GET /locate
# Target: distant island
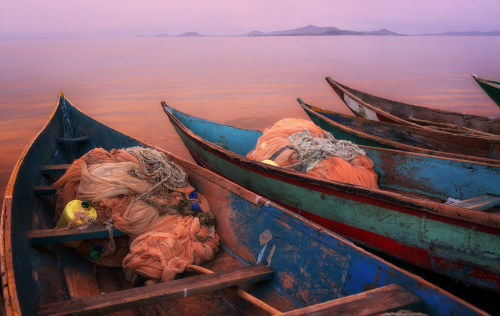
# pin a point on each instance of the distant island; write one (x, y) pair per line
(313, 30)
(189, 34)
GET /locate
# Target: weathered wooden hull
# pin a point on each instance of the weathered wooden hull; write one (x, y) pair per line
(460, 243)
(384, 110)
(492, 88)
(308, 264)
(394, 136)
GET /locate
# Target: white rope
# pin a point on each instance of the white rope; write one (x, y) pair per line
(109, 227)
(157, 168)
(312, 150)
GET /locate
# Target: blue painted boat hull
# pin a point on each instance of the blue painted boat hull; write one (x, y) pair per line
(406, 219)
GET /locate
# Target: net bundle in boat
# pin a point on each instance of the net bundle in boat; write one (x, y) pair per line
(148, 197)
(303, 146)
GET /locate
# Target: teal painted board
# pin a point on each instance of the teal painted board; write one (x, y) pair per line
(402, 219)
(311, 264)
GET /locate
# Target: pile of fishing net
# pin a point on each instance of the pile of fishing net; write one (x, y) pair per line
(301, 145)
(143, 194)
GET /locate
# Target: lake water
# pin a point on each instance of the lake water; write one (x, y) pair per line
(249, 82)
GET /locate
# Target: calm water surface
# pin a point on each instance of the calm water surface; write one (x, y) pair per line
(249, 82)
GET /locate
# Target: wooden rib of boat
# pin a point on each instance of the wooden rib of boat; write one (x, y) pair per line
(406, 218)
(492, 88)
(384, 110)
(290, 265)
(362, 131)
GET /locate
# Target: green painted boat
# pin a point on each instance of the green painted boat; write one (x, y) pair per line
(406, 219)
(362, 131)
(384, 110)
(492, 88)
(270, 260)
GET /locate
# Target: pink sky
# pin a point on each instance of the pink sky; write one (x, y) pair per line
(76, 18)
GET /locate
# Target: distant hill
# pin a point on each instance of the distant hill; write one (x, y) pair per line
(468, 33)
(383, 32)
(256, 33)
(189, 34)
(312, 30)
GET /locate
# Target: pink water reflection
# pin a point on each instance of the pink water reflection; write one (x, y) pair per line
(245, 82)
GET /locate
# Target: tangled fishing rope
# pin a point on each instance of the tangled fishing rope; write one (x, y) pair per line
(157, 168)
(312, 150)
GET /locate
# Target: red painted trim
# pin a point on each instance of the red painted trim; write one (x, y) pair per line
(385, 119)
(415, 255)
(346, 195)
(441, 264)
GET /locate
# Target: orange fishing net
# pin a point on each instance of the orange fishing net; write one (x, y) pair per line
(304, 146)
(166, 230)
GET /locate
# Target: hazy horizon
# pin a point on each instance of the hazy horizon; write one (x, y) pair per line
(54, 19)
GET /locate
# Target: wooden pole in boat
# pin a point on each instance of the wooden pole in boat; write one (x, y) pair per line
(241, 293)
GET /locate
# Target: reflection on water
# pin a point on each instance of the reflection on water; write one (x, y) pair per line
(245, 82)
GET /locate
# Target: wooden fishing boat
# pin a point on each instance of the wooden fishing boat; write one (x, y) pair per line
(406, 218)
(378, 109)
(288, 264)
(492, 88)
(362, 131)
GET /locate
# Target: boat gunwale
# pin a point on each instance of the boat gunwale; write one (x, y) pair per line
(337, 85)
(317, 112)
(7, 260)
(467, 217)
(490, 87)
(485, 81)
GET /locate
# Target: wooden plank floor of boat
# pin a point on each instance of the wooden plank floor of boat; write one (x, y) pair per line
(125, 299)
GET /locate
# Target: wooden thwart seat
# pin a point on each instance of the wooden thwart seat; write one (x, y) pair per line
(46, 169)
(49, 169)
(46, 236)
(241, 293)
(65, 140)
(379, 300)
(479, 203)
(115, 301)
(44, 190)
